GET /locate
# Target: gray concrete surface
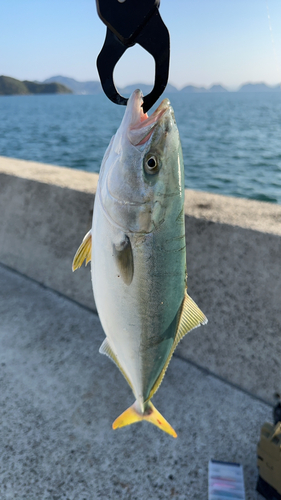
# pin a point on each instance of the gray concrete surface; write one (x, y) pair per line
(45, 212)
(235, 277)
(233, 263)
(247, 214)
(59, 397)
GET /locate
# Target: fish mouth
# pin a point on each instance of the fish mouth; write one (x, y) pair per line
(141, 125)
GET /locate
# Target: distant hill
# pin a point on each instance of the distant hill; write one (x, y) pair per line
(258, 87)
(90, 87)
(61, 85)
(11, 86)
(213, 88)
(217, 88)
(94, 87)
(192, 89)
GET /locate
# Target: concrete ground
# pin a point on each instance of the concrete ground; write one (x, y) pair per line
(59, 397)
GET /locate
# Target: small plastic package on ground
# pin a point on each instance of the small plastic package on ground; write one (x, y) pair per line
(226, 481)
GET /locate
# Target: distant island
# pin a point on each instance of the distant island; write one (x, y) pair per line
(64, 85)
(258, 87)
(91, 87)
(213, 88)
(11, 86)
(94, 87)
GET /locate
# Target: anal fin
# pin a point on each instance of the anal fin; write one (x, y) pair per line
(106, 349)
(83, 252)
(190, 317)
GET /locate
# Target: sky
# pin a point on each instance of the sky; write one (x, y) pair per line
(212, 41)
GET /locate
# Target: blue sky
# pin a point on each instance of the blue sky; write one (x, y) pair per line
(212, 41)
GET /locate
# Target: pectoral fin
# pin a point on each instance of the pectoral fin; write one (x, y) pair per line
(132, 415)
(190, 317)
(83, 252)
(123, 254)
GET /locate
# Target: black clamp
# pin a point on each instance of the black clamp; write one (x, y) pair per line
(129, 22)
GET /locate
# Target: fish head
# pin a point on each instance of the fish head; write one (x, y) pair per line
(142, 178)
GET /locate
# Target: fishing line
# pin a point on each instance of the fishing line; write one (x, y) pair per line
(273, 43)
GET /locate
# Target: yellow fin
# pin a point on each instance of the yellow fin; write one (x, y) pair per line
(190, 317)
(132, 415)
(106, 349)
(83, 252)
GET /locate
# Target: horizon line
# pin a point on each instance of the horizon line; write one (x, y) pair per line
(231, 88)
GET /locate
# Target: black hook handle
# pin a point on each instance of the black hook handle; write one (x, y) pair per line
(107, 59)
(141, 23)
(155, 38)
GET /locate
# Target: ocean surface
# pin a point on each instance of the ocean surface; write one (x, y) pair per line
(231, 141)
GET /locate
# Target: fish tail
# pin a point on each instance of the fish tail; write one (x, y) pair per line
(132, 415)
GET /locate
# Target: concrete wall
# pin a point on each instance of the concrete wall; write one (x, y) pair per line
(44, 213)
(233, 262)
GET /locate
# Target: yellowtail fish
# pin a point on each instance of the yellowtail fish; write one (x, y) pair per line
(138, 257)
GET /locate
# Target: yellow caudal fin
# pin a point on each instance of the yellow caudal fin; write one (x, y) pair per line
(83, 252)
(132, 415)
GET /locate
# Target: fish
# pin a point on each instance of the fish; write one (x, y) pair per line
(137, 251)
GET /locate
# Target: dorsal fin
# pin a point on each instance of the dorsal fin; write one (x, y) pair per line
(106, 349)
(83, 252)
(190, 317)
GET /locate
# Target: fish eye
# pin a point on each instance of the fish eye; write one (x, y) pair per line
(151, 165)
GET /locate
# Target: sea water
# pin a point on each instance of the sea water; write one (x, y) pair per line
(231, 141)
